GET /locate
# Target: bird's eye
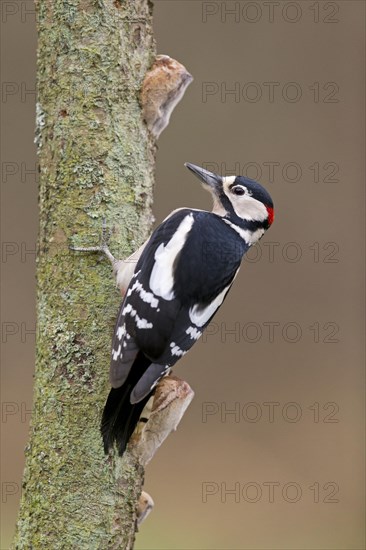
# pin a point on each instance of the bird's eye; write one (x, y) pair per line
(238, 190)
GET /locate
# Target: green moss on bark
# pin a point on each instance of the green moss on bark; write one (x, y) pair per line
(97, 161)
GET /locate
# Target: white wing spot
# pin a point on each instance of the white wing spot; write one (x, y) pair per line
(140, 322)
(194, 333)
(176, 350)
(146, 296)
(121, 331)
(115, 353)
(143, 323)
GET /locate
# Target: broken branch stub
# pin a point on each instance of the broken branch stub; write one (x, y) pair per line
(171, 399)
(163, 88)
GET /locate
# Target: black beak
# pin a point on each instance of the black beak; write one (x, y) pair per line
(209, 178)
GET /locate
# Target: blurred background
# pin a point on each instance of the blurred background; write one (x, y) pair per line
(270, 454)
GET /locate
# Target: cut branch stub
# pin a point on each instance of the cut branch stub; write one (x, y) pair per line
(163, 88)
(171, 399)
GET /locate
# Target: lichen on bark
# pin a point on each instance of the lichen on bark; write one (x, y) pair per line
(96, 161)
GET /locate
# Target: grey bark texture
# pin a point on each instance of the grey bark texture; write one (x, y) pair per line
(97, 161)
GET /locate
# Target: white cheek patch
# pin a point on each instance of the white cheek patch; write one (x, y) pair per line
(200, 316)
(162, 277)
(245, 206)
(248, 208)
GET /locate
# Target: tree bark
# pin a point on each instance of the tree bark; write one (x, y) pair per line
(96, 161)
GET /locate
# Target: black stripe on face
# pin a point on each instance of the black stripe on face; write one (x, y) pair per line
(251, 225)
(226, 203)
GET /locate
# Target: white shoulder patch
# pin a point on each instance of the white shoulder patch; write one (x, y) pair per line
(161, 278)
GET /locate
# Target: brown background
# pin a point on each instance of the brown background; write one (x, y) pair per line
(324, 286)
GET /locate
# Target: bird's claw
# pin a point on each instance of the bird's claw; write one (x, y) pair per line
(103, 247)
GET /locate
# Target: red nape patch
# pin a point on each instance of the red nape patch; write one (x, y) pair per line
(270, 214)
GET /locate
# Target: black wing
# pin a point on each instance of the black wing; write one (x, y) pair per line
(132, 325)
(180, 281)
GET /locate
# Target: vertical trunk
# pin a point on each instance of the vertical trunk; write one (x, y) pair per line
(96, 161)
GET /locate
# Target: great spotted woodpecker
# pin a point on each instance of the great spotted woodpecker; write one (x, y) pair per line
(181, 278)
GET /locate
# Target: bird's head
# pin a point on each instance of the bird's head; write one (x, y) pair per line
(237, 198)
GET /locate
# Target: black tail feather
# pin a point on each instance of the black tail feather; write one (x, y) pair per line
(120, 417)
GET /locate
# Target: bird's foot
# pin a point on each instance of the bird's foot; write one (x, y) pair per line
(103, 247)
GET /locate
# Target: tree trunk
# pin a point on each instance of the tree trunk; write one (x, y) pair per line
(96, 161)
